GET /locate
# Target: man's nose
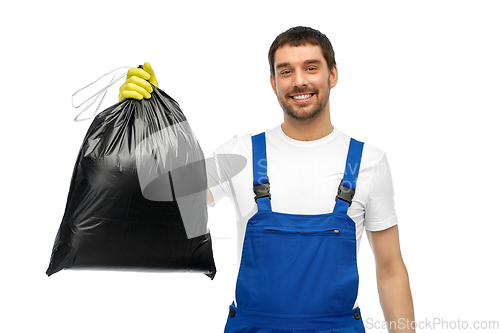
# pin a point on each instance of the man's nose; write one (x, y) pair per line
(300, 79)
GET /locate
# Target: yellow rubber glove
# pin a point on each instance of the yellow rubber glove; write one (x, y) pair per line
(138, 83)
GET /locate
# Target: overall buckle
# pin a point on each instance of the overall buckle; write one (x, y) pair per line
(345, 194)
(262, 190)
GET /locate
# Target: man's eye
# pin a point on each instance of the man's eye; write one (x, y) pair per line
(285, 72)
(311, 68)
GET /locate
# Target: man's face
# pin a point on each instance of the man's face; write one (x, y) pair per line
(302, 81)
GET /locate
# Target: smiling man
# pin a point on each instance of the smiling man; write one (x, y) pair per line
(315, 190)
(301, 78)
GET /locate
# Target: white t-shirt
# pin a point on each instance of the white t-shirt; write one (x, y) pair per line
(304, 177)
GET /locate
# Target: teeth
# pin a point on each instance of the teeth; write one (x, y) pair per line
(302, 96)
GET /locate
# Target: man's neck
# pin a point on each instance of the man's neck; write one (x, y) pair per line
(307, 131)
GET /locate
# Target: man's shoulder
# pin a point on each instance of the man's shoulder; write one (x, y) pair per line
(239, 143)
(372, 154)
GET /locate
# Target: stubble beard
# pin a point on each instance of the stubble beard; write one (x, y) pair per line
(291, 109)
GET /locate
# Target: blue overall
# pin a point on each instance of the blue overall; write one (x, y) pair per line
(298, 273)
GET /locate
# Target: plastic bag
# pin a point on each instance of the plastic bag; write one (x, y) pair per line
(137, 199)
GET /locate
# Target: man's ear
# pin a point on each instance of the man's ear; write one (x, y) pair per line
(334, 77)
(273, 84)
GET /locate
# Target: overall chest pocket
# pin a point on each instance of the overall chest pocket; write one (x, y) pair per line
(302, 269)
(289, 249)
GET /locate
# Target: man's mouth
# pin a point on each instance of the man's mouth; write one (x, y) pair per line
(302, 97)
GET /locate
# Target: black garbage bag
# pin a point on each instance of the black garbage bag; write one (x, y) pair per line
(137, 199)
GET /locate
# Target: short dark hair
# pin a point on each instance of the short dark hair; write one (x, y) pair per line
(298, 36)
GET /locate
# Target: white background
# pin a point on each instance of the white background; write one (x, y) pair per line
(419, 79)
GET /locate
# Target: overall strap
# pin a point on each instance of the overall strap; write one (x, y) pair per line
(347, 185)
(260, 179)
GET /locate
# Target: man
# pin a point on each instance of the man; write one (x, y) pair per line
(315, 189)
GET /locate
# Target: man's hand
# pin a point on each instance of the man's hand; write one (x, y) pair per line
(138, 83)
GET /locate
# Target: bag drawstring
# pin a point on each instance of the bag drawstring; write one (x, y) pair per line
(100, 94)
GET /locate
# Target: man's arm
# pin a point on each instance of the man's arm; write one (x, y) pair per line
(392, 279)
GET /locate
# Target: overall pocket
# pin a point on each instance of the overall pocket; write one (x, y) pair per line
(299, 270)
